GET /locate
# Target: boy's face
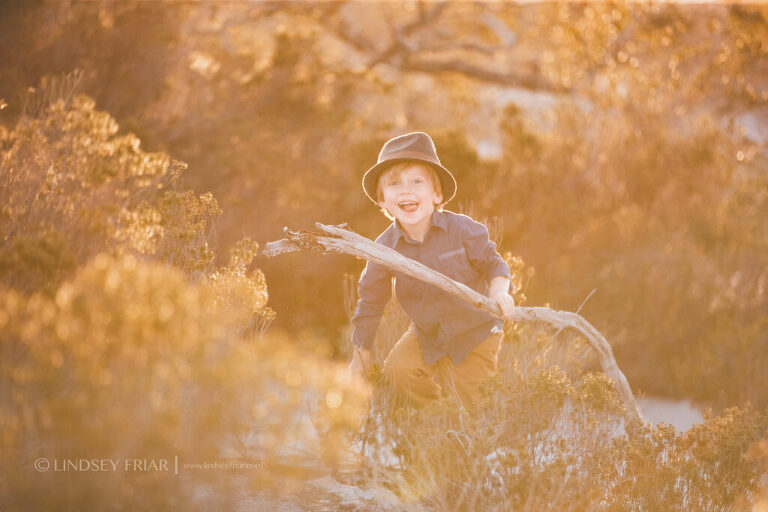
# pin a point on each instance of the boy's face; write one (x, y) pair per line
(410, 195)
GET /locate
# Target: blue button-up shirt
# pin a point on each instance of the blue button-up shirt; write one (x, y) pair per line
(460, 248)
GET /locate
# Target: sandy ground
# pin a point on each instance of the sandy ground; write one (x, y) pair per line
(679, 413)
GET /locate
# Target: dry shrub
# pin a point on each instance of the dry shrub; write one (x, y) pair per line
(75, 187)
(666, 217)
(242, 294)
(131, 361)
(756, 499)
(119, 339)
(68, 180)
(552, 435)
(125, 362)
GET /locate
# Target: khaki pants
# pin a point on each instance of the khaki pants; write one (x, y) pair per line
(415, 380)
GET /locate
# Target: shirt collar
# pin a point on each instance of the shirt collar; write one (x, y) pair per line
(439, 220)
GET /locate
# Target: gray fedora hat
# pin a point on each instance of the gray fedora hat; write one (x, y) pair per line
(415, 146)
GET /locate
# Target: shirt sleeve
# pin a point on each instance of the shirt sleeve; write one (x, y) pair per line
(374, 291)
(482, 253)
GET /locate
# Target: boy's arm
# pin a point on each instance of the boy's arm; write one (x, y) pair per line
(482, 254)
(361, 361)
(374, 291)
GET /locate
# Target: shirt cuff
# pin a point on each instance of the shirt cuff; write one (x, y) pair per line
(500, 270)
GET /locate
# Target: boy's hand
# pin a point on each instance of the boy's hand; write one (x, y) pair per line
(506, 304)
(499, 291)
(360, 363)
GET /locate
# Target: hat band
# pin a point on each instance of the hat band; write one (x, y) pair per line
(411, 154)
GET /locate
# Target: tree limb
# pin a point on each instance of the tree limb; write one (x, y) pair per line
(339, 239)
(399, 34)
(531, 82)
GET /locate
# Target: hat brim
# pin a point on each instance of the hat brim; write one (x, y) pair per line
(371, 178)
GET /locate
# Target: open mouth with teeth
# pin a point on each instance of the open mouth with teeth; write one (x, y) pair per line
(408, 206)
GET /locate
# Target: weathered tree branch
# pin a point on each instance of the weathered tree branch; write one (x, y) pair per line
(399, 34)
(339, 239)
(527, 81)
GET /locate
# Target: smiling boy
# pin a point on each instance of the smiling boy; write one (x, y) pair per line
(447, 339)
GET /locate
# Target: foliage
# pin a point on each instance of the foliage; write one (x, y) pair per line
(759, 498)
(121, 340)
(242, 294)
(131, 361)
(99, 372)
(69, 178)
(542, 440)
(620, 143)
(618, 219)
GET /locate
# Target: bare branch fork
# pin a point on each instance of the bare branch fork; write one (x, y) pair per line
(340, 239)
